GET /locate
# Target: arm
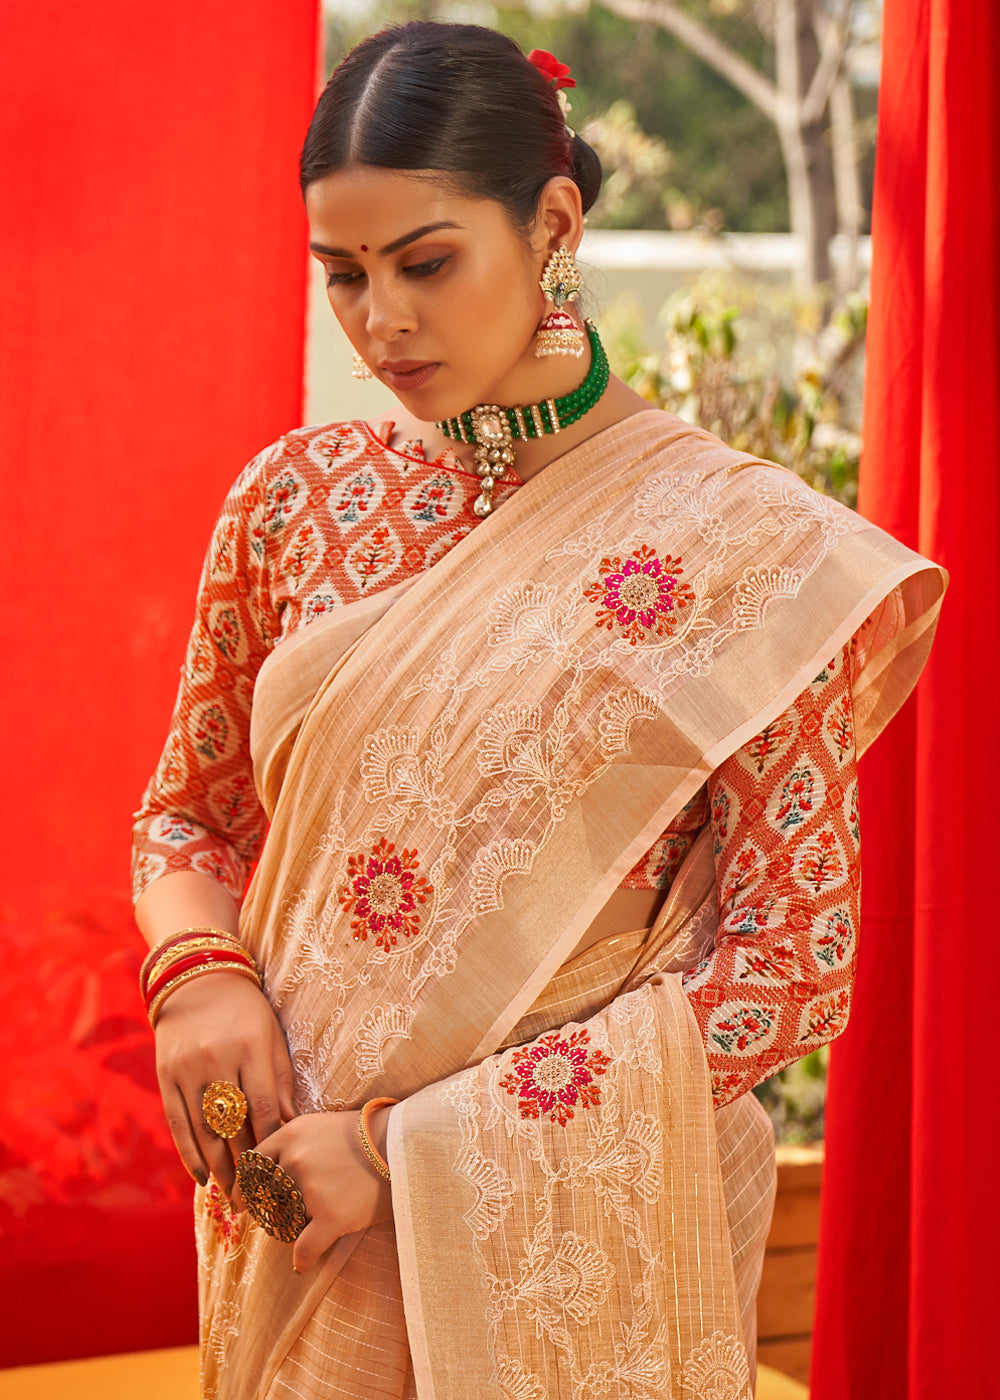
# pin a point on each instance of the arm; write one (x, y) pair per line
(198, 829)
(784, 815)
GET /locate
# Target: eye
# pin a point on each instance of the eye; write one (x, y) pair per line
(427, 269)
(342, 279)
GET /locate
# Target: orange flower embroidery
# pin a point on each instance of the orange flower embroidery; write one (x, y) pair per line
(641, 596)
(383, 891)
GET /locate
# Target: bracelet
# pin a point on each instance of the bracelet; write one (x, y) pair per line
(180, 949)
(371, 1152)
(178, 936)
(155, 1005)
(203, 960)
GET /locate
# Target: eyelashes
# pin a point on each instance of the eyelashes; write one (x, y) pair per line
(419, 270)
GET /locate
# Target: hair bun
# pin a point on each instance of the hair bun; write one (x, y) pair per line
(585, 168)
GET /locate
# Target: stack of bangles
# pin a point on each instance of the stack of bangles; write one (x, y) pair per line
(190, 953)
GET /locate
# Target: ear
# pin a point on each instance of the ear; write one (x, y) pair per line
(559, 217)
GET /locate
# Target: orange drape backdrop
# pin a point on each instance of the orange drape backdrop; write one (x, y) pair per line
(151, 326)
(908, 1289)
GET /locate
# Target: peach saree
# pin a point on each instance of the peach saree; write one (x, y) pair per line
(459, 772)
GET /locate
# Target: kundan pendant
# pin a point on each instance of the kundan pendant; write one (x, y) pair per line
(494, 451)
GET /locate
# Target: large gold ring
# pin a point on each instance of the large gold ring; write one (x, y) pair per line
(224, 1108)
(271, 1196)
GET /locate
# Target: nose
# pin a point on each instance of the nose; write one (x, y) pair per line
(390, 310)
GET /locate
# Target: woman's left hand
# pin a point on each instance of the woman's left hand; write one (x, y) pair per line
(322, 1153)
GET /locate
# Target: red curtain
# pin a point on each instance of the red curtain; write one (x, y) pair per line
(151, 328)
(908, 1291)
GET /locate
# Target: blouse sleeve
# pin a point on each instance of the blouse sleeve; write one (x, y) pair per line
(784, 814)
(200, 811)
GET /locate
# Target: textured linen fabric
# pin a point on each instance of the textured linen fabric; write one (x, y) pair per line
(329, 516)
(562, 1219)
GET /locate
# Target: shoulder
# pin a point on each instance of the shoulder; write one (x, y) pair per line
(320, 449)
(301, 464)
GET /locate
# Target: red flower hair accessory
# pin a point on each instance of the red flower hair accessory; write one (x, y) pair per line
(556, 74)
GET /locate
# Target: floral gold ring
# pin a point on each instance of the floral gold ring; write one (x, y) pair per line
(271, 1196)
(224, 1108)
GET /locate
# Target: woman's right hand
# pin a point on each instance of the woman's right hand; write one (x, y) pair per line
(220, 1026)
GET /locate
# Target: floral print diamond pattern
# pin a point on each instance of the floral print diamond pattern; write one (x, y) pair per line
(787, 888)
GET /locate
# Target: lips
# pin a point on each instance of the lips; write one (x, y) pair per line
(407, 374)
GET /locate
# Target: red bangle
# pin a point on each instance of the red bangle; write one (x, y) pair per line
(183, 935)
(222, 957)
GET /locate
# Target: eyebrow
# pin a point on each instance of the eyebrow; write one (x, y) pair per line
(392, 247)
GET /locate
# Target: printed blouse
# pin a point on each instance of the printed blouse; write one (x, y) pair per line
(329, 515)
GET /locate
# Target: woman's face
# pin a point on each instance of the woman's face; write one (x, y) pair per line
(436, 291)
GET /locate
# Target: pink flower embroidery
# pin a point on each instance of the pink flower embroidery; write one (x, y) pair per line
(641, 596)
(383, 891)
(224, 1219)
(554, 1075)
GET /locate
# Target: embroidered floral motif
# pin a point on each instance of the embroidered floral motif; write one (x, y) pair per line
(226, 632)
(736, 1029)
(355, 498)
(832, 943)
(770, 741)
(555, 1075)
(717, 1370)
(211, 732)
(281, 504)
(840, 726)
(224, 1220)
(378, 553)
(721, 807)
(303, 552)
(796, 799)
(826, 1017)
(640, 596)
(373, 1035)
(383, 891)
(433, 501)
(575, 1281)
(822, 863)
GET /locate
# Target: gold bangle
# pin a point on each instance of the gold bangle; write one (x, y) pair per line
(371, 1151)
(157, 948)
(190, 975)
(182, 950)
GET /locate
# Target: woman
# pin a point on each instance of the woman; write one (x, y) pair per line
(556, 703)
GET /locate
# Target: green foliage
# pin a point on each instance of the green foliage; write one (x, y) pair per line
(794, 402)
(725, 161)
(795, 1098)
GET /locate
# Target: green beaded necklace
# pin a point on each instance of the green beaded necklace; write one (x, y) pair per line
(492, 428)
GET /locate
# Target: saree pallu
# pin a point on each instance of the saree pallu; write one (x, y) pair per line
(459, 773)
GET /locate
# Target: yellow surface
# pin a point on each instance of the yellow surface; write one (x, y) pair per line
(173, 1375)
(141, 1375)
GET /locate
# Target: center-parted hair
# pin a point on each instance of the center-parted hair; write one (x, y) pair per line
(456, 99)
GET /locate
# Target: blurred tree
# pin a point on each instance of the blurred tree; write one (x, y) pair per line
(808, 100)
(757, 133)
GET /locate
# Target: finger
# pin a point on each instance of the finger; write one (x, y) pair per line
(315, 1239)
(284, 1079)
(179, 1123)
(214, 1149)
(264, 1113)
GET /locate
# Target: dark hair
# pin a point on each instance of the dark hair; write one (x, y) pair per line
(454, 98)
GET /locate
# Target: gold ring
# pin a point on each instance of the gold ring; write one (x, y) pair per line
(271, 1196)
(224, 1108)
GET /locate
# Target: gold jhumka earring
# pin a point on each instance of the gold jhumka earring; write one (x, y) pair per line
(559, 334)
(360, 370)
